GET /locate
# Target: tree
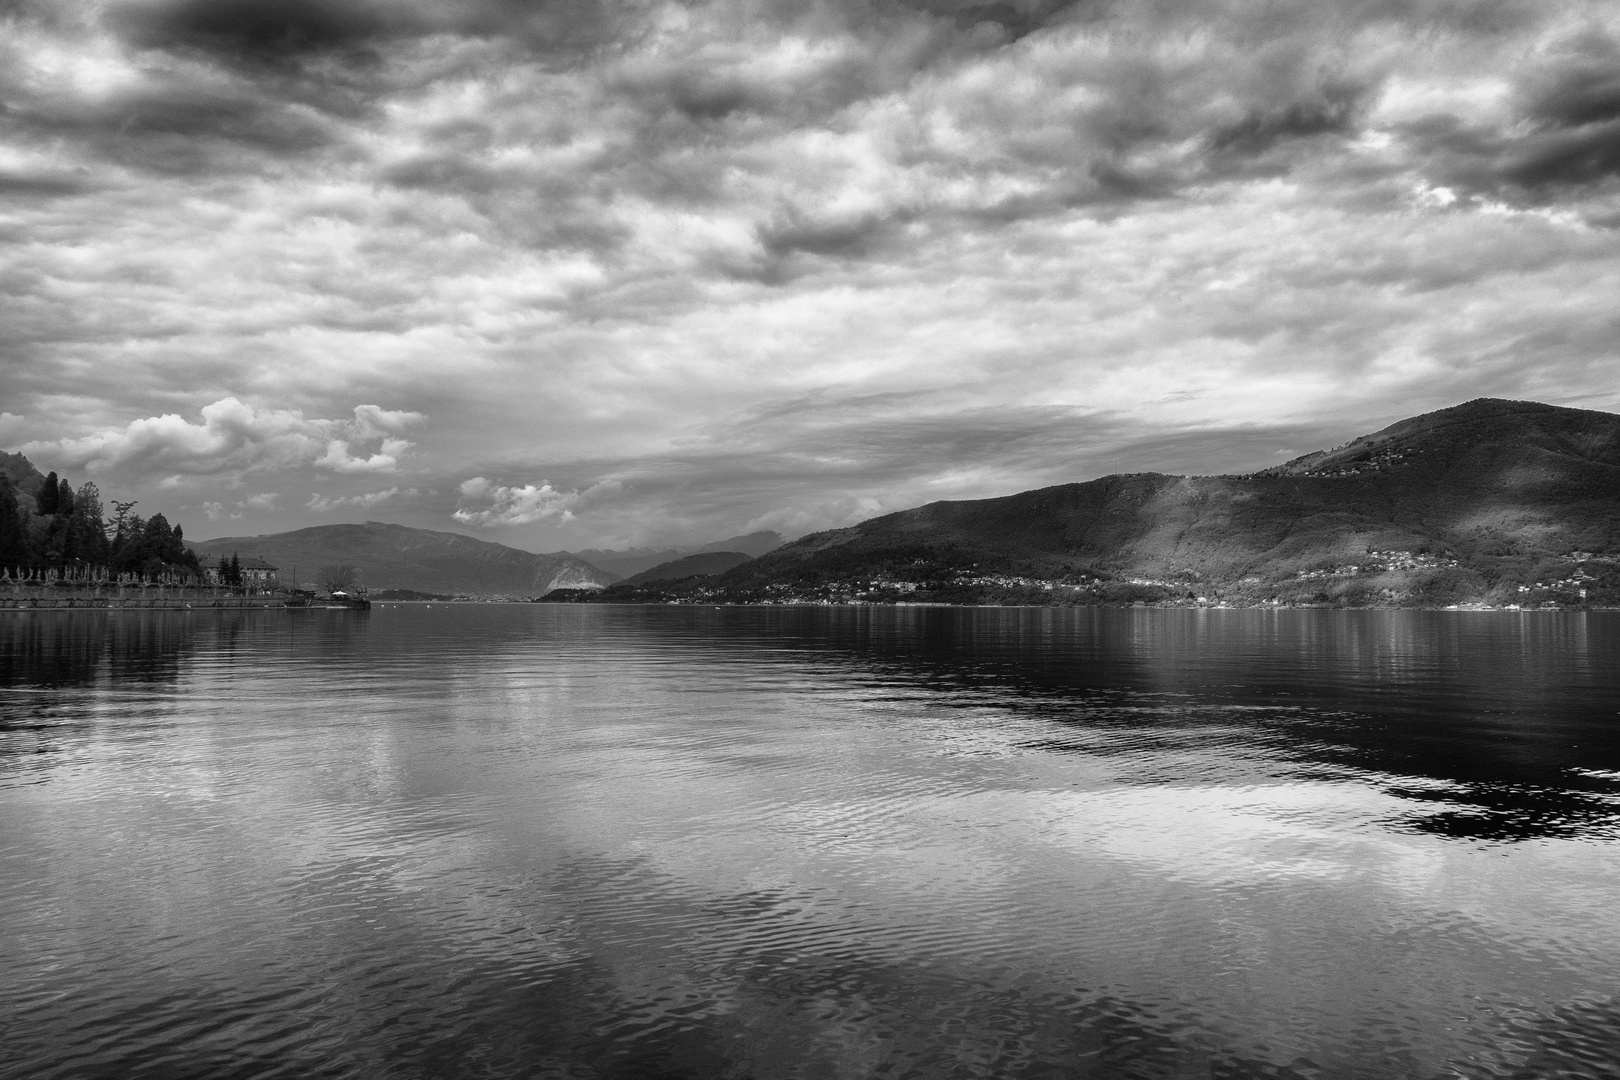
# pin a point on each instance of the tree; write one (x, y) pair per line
(337, 577)
(13, 534)
(129, 543)
(88, 540)
(87, 503)
(149, 547)
(45, 499)
(159, 542)
(230, 571)
(64, 498)
(119, 527)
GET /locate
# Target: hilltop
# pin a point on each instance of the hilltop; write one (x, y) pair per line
(21, 472)
(422, 560)
(699, 565)
(632, 561)
(1488, 502)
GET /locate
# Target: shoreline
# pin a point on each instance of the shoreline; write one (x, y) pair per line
(280, 603)
(114, 603)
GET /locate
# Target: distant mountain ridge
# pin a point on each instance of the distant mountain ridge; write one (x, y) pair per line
(1491, 501)
(702, 564)
(398, 557)
(632, 561)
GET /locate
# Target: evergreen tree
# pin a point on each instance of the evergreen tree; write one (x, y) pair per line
(128, 553)
(61, 545)
(87, 503)
(89, 538)
(119, 526)
(158, 539)
(45, 500)
(13, 533)
(51, 541)
(159, 549)
(187, 557)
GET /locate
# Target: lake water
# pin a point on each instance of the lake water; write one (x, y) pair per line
(656, 842)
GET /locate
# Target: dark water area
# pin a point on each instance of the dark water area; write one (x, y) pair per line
(553, 841)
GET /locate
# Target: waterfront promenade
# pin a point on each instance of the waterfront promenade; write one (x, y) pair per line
(109, 596)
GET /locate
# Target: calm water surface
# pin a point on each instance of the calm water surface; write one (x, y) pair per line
(534, 840)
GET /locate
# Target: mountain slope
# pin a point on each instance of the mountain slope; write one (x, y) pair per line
(701, 564)
(397, 557)
(632, 561)
(753, 544)
(1470, 502)
(21, 472)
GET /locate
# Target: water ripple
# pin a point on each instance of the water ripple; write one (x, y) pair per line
(604, 842)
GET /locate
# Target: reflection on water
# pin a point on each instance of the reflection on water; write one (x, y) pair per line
(549, 841)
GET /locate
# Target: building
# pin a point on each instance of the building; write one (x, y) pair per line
(256, 573)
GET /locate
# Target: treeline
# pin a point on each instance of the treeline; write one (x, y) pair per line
(57, 527)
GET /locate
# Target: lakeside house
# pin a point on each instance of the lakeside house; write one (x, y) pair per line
(255, 572)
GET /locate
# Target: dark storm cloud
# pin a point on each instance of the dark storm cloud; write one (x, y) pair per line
(1587, 93)
(1110, 149)
(1333, 111)
(186, 128)
(1538, 166)
(847, 239)
(1560, 135)
(263, 30)
(277, 32)
(1575, 102)
(1585, 156)
(1091, 157)
(47, 184)
(692, 89)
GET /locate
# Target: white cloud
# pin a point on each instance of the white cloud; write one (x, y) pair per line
(339, 459)
(323, 504)
(489, 504)
(220, 511)
(235, 438)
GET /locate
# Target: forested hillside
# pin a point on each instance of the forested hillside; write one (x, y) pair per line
(47, 524)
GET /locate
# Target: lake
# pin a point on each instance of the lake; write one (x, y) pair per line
(672, 842)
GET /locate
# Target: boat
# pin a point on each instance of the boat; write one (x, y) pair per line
(341, 600)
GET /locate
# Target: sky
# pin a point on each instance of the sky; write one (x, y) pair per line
(582, 274)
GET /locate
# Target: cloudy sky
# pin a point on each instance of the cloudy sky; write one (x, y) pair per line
(567, 273)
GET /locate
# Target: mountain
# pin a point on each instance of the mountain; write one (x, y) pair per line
(397, 557)
(632, 561)
(701, 564)
(1490, 501)
(24, 477)
(753, 545)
